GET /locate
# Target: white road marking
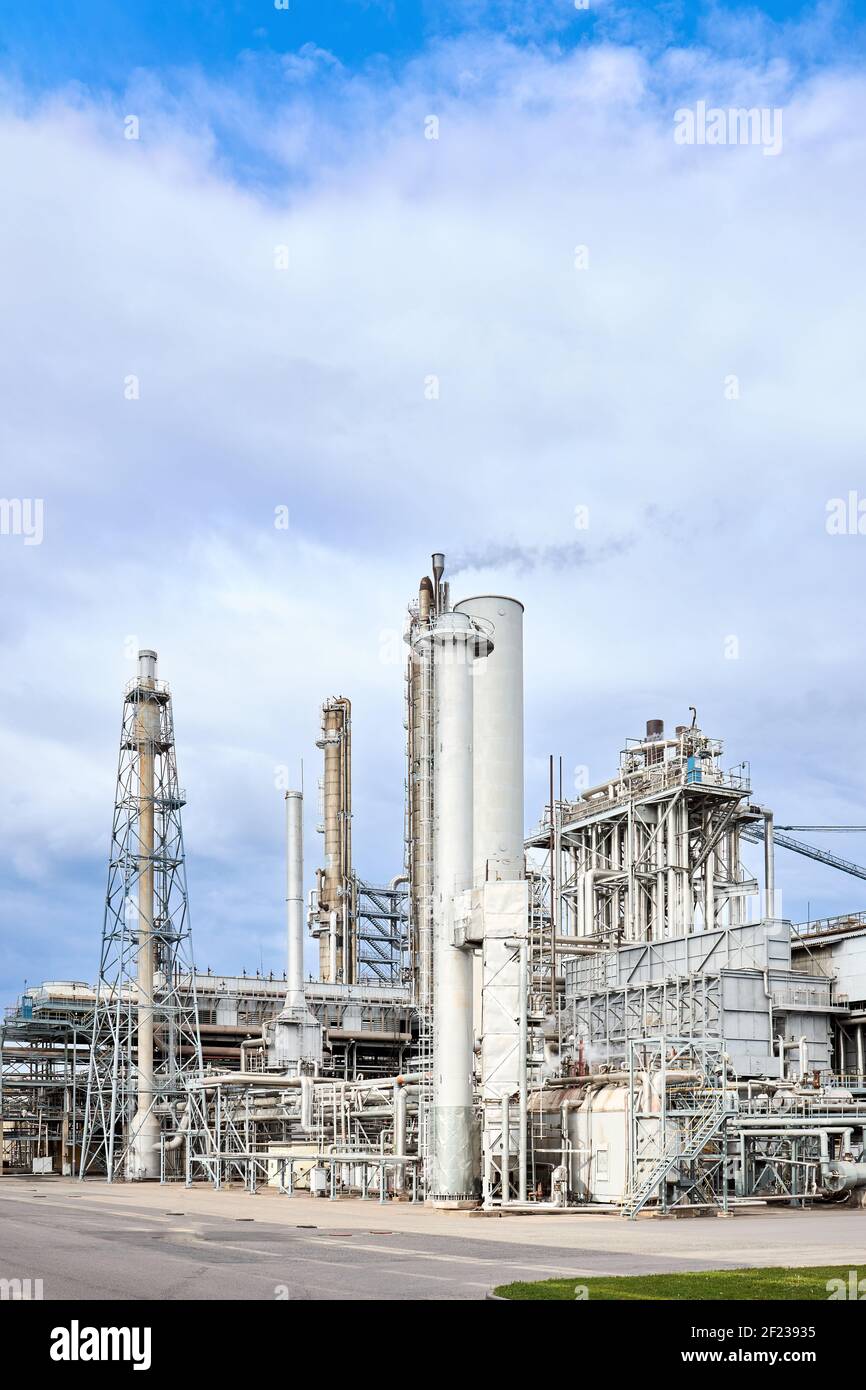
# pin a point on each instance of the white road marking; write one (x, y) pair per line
(386, 1250)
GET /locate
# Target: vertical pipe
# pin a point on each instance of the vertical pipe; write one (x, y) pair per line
(505, 1146)
(399, 1136)
(859, 1040)
(672, 914)
(295, 899)
(630, 905)
(421, 795)
(769, 868)
(523, 1042)
(554, 915)
(686, 894)
(332, 948)
(455, 643)
(709, 891)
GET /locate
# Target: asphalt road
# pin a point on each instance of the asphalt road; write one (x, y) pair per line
(82, 1249)
(90, 1241)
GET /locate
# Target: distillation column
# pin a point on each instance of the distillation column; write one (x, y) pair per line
(336, 949)
(420, 788)
(499, 881)
(455, 643)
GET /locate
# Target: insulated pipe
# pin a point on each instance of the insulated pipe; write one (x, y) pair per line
(332, 947)
(400, 1113)
(843, 1177)
(497, 739)
(673, 916)
(420, 777)
(523, 1043)
(456, 643)
(181, 1131)
(858, 1040)
(295, 898)
(505, 1147)
(247, 1045)
(709, 891)
(143, 1159)
(769, 868)
(306, 1102)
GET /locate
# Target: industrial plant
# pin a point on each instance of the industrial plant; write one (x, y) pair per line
(590, 1007)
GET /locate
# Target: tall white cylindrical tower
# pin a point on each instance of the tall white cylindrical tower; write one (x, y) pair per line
(456, 643)
(143, 1158)
(295, 898)
(498, 741)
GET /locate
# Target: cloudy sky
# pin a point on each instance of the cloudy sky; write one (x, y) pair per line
(429, 276)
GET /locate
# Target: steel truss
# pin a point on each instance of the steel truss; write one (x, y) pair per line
(382, 933)
(146, 908)
(686, 1006)
(653, 852)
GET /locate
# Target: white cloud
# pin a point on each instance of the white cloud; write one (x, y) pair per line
(407, 259)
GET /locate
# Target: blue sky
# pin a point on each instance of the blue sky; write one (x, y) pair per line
(306, 386)
(98, 41)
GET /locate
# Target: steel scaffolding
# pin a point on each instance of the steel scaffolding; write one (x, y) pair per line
(145, 1035)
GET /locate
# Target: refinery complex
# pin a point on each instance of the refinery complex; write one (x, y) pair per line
(587, 1005)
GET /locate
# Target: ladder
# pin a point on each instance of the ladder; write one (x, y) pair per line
(711, 1120)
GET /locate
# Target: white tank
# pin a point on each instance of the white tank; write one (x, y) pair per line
(598, 1132)
(498, 740)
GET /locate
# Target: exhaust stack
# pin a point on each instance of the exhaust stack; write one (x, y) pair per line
(295, 899)
(143, 1161)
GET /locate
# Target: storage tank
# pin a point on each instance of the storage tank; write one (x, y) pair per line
(597, 1131)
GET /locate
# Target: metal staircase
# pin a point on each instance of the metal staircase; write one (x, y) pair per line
(708, 1122)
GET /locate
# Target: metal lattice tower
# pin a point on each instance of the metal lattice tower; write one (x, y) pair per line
(145, 1040)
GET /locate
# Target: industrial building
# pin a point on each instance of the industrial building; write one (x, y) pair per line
(604, 1013)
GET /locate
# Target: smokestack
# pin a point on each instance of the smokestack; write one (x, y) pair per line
(295, 898)
(425, 599)
(438, 571)
(143, 1157)
(147, 665)
(655, 728)
(455, 643)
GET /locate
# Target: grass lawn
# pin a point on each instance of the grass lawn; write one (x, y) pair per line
(711, 1284)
